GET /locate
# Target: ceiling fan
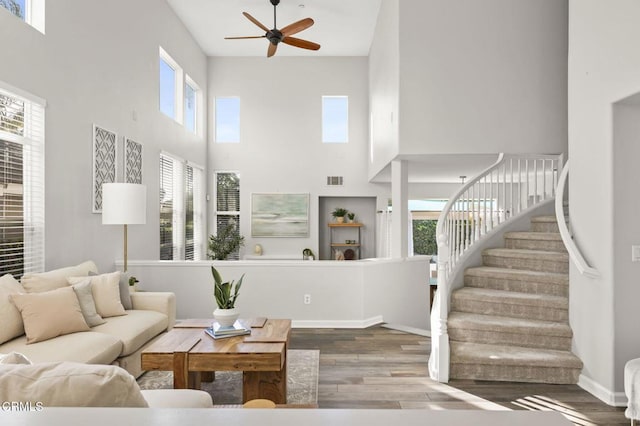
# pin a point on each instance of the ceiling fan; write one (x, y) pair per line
(275, 35)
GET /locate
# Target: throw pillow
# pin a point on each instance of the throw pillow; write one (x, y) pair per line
(50, 314)
(125, 295)
(10, 319)
(87, 305)
(106, 293)
(45, 281)
(70, 384)
(14, 358)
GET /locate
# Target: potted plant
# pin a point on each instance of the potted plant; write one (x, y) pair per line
(339, 213)
(307, 254)
(351, 216)
(226, 294)
(227, 241)
(132, 283)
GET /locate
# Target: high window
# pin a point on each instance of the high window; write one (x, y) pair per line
(30, 11)
(21, 182)
(227, 120)
(191, 110)
(181, 209)
(227, 196)
(335, 119)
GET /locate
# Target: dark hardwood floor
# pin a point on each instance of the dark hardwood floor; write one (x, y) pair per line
(383, 368)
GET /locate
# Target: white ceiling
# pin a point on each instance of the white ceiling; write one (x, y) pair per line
(342, 27)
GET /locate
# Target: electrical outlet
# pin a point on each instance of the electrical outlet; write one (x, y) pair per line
(307, 299)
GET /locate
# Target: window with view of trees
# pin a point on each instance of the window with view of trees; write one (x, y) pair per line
(21, 183)
(30, 11)
(227, 198)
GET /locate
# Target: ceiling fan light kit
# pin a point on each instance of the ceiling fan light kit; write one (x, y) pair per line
(275, 36)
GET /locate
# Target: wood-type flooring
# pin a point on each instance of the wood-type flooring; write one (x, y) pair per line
(383, 368)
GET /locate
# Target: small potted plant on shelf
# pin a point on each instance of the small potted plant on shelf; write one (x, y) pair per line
(351, 216)
(339, 213)
(226, 294)
(132, 283)
(307, 254)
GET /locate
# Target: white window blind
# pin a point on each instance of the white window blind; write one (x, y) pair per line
(181, 209)
(21, 182)
(227, 198)
(194, 229)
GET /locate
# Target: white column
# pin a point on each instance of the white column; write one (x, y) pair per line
(400, 202)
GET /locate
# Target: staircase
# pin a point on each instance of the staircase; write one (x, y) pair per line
(510, 320)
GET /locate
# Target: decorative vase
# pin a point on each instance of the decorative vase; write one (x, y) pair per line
(340, 219)
(226, 317)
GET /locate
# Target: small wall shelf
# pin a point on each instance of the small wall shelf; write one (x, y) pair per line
(335, 229)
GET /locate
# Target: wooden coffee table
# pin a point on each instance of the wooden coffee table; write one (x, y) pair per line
(262, 356)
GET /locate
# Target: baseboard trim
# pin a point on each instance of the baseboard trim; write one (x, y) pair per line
(407, 329)
(368, 322)
(615, 399)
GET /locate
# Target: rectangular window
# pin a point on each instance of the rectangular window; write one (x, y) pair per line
(191, 92)
(171, 87)
(21, 182)
(335, 119)
(227, 120)
(181, 209)
(227, 211)
(30, 11)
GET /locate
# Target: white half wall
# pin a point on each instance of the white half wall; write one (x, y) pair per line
(343, 294)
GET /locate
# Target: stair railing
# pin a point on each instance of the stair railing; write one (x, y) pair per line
(567, 238)
(503, 191)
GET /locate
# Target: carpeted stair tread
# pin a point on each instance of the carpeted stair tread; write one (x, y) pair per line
(469, 321)
(477, 353)
(545, 219)
(518, 274)
(527, 254)
(485, 295)
(547, 236)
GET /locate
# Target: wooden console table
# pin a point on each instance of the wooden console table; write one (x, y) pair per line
(188, 351)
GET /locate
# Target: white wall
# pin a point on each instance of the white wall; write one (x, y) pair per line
(384, 87)
(343, 294)
(604, 67)
(483, 76)
(98, 63)
(281, 147)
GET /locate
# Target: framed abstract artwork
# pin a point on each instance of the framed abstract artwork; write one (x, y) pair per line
(132, 161)
(279, 215)
(105, 149)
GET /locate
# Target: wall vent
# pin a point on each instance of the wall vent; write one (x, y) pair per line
(334, 180)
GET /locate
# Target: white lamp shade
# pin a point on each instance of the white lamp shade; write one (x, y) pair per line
(124, 204)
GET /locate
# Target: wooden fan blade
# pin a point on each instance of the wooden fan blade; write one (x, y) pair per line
(255, 21)
(296, 27)
(242, 38)
(304, 44)
(272, 50)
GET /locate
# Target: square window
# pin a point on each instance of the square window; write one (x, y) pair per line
(227, 120)
(335, 119)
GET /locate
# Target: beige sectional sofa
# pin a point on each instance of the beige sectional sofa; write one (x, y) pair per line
(118, 341)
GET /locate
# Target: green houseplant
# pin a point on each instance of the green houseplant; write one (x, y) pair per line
(339, 213)
(227, 241)
(226, 294)
(351, 216)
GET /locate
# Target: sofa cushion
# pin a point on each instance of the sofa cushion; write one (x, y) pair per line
(106, 293)
(10, 317)
(134, 329)
(177, 398)
(45, 281)
(87, 305)
(68, 384)
(50, 313)
(87, 347)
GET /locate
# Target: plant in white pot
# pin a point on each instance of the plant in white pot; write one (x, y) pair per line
(226, 294)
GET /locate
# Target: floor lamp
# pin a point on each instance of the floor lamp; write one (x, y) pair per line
(124, 204)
